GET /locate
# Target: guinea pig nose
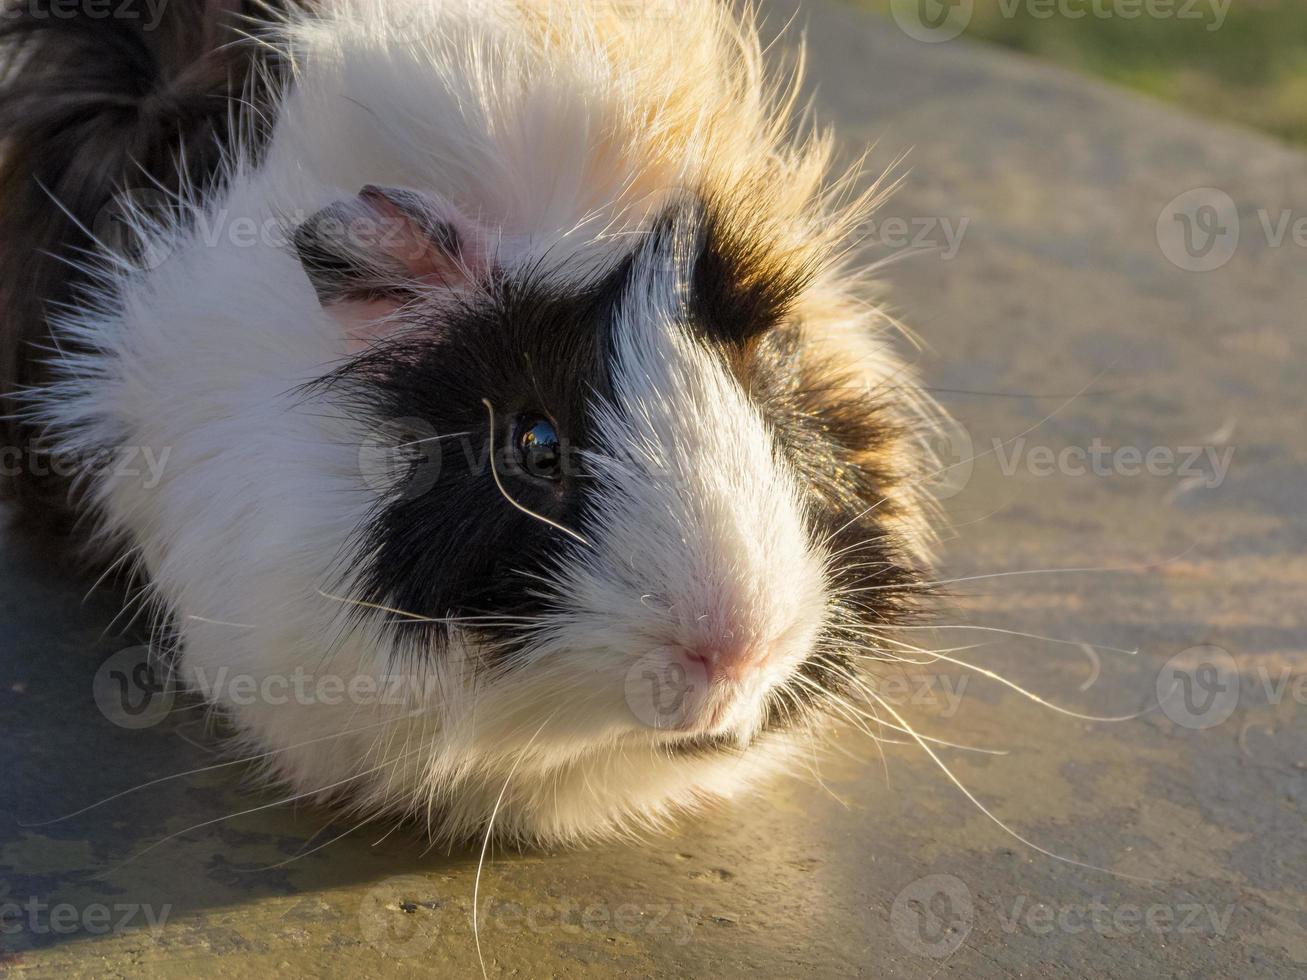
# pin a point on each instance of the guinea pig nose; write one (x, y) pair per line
(725, 661)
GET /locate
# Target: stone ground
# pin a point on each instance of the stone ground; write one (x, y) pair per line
(1061, 318)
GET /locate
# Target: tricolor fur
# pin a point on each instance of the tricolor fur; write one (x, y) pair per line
(466, 212)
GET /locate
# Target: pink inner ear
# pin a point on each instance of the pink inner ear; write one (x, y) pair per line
(434, 243)
(409, 241)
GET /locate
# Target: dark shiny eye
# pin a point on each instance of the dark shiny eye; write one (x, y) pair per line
(539, 450)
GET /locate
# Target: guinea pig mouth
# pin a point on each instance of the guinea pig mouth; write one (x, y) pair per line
(712, 716)
(729, 719)
(686, 693)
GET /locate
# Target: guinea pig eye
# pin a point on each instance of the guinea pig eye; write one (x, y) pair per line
(539, 451)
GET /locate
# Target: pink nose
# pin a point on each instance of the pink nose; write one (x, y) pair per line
(725, 661)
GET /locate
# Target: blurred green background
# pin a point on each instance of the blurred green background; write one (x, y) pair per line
(1241, 60)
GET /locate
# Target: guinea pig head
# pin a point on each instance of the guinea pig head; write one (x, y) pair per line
(633, 510)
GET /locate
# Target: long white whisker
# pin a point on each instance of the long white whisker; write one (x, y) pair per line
(1028, 636)
(266, 806)
(485, 845)
(303, 854)
(1035, 697)
(414, 617)
(986, 811)
(995, 448)
(857, 717)
(222, 622)
(494, 471)
(419, 442)
(203, 769)
(1032, 571)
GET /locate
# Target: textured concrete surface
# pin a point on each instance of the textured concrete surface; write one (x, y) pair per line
(1056, 321)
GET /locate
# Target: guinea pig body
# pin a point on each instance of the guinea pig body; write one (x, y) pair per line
(527, 452)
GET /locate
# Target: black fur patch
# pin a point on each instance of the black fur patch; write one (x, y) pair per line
(743, 286)
(450, 545)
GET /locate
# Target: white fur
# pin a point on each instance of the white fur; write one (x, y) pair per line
(562, 126)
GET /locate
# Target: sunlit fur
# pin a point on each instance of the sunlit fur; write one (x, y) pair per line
(566, 129)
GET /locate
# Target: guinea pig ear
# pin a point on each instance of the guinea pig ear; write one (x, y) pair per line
(387, 247)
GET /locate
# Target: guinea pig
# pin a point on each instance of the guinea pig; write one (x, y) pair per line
(530, 459)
